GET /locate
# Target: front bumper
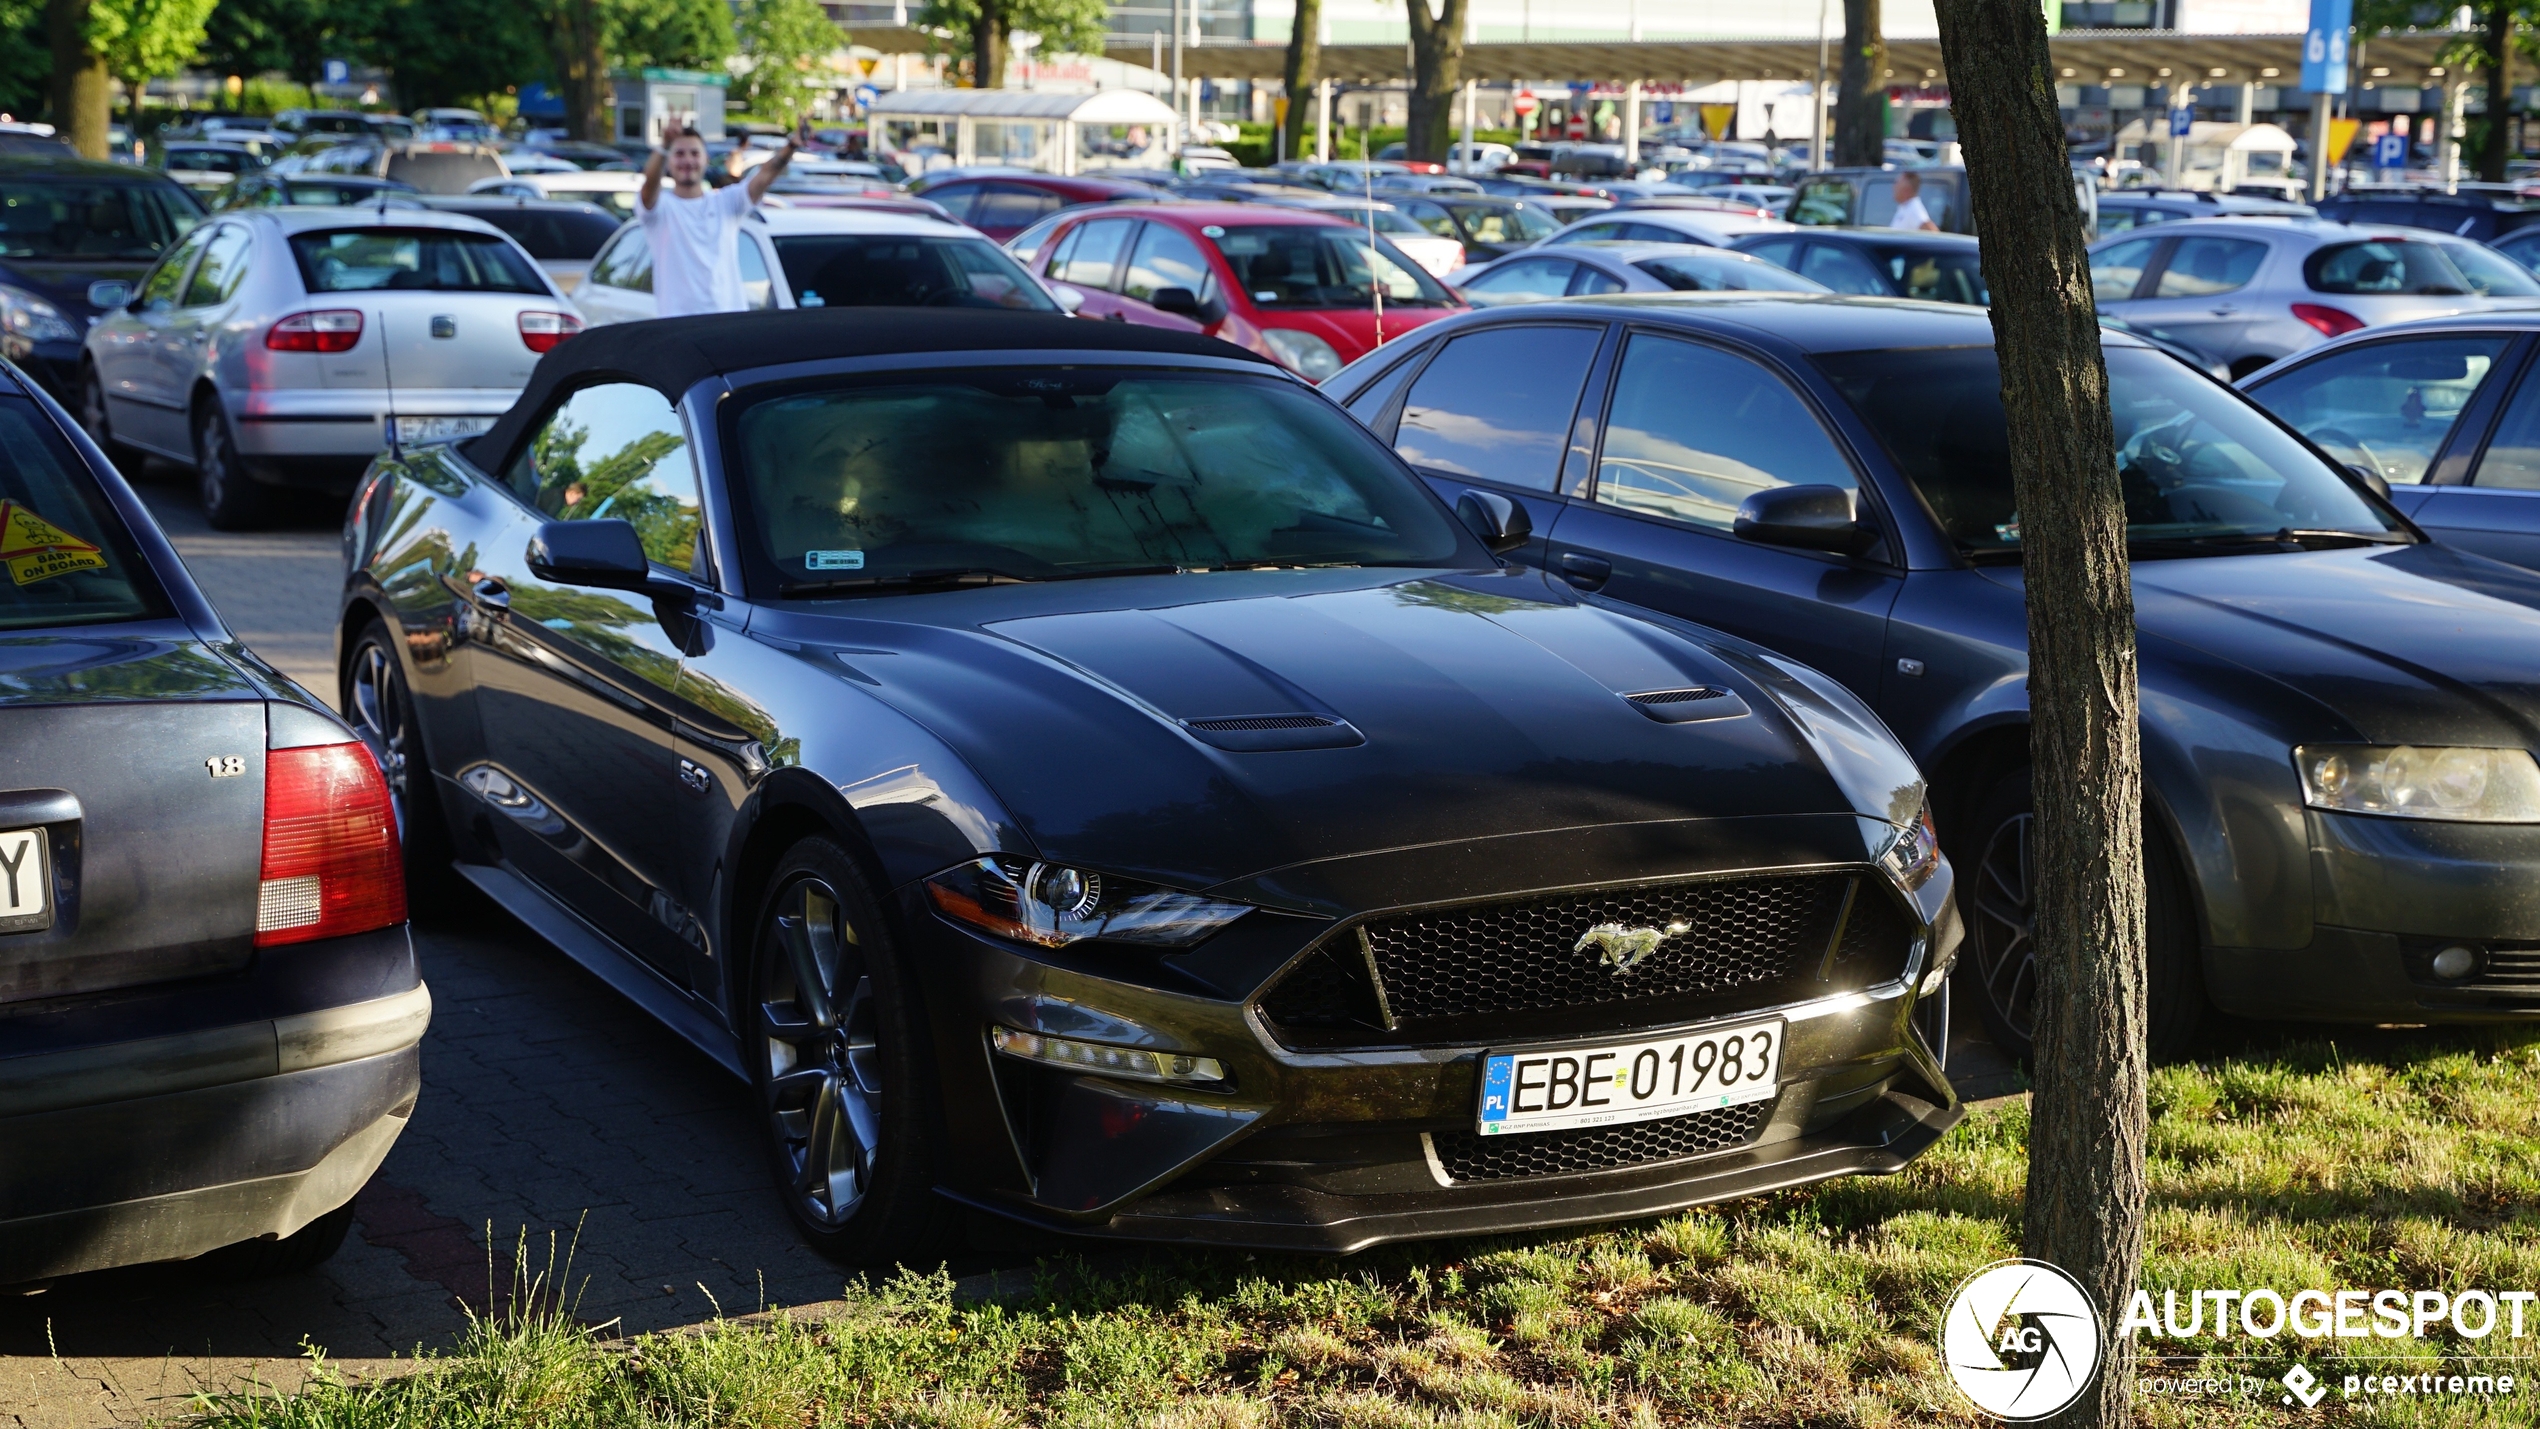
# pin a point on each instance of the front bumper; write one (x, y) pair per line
(162, 1126)
(1336, 1149)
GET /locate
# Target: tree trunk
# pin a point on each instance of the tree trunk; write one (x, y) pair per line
(988, 45)
(1305, 65)
(1437, 73)
(2084, 1209)
(1860, 92)
(577, 37)
(2496, 51)
(83, 97)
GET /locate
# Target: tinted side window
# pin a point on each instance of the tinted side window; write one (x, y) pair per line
(1095, 254)
(1597, 233)
(628, 264)
(1694, 431)
(1842, 270)
(616, 449)
(224, 264)
(956, 199)
(754, 281)
(2116, 271)
(2512, 459)
(1497, 404)
(2386, 406)
(2201, 266)
(168, 279)
(1167, 258)
(1011, 206)
(1526, 278)
(1592, 281)
(1774, 251)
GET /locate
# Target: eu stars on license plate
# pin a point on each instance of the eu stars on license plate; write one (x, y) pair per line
(1551, 1089)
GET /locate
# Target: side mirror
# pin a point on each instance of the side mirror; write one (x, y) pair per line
(1502, 524)
(1180, 301)
(603, 552)
(2380, 485)
(108, 294)
(1812, 518)
(1068, 299)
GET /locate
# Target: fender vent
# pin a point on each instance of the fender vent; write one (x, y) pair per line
(1251, 722)
(1684, 706)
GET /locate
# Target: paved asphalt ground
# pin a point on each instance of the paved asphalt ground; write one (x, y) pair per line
(554, 1116)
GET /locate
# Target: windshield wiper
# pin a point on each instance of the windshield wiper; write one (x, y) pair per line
(2247, 542)
(951, 576)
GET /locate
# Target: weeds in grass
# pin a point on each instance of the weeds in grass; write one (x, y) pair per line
(2380, 1160)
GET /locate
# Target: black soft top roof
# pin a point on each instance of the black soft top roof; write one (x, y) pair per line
(670, 355)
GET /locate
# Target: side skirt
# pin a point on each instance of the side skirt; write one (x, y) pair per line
(629, 975)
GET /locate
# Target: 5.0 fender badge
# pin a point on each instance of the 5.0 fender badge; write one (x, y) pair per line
(1625, 947)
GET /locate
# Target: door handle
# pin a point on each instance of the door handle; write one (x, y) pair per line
(1585, 572)
(2226, 310)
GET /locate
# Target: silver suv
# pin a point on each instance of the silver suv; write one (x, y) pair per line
(275, 347)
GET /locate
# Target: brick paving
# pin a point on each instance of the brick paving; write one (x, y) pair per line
(555, 1118)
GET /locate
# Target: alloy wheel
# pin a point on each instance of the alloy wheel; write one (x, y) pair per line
(819, 1026)
(2004, 954)
(92, 414)
(376, 701)
(212, 463)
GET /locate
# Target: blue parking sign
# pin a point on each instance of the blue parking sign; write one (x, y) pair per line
(2181, 119)
(865, 94)
(336, 72)
(2324, 46)
(2390, 151)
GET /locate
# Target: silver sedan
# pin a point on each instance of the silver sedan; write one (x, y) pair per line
(1575, 269)
(286, 347)
(2242, 292)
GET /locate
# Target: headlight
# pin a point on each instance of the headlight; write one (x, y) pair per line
(1310, 357)
(1053, 905)
(23, 314)
(1913, 856)
(2475, 786)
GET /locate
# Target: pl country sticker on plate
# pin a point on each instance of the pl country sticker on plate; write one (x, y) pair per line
(35, 549)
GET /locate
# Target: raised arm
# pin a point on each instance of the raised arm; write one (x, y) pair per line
(774, 169)
(652, 176)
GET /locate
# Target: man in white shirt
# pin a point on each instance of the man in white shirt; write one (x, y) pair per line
(1910, 212)
(695, 231)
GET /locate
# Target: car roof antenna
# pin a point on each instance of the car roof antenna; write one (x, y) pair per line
(1375, 280)
(389, 372)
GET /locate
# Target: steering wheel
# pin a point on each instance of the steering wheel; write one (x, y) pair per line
(2335, 437)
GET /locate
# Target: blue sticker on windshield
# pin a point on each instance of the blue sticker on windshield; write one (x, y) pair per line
(833, 560)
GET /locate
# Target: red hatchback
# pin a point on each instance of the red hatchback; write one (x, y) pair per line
(1298, 287)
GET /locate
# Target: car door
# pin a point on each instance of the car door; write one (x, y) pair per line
(2497, 512)
(185, 344)
(1165, 257)
(1498, 409)
(143, 400)
(1690, 431)
(2409, 409)
(2196, 295)
(575, 687)
(1089, 259)
(620, 288)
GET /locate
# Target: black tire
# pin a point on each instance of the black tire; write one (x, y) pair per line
(232, 500)
(844, 1088)
(1991, 856)
(100, 428)
(379, 707)
(307, 1248)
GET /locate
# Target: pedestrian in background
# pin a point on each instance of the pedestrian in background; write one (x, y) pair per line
(695, 230)
(1910, 212)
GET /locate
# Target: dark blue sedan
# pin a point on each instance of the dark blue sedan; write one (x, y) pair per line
(2447, 411)
(2344, 812)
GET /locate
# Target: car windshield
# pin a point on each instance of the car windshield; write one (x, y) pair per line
(1498, 224)
(212, 161)
(2385, 266)
(1937, 276)
(443, 173)
(1301, 266)
(2203, 471)
(863, 270)
(412, 259)
(78, 565)
(1716, 272)
(91, 218)
(1046, 473)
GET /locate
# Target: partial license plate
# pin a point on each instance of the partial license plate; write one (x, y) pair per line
(440, 429)
(26, 881)
(1551, 1089)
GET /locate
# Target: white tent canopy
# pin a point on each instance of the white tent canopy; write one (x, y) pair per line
(1054, 133)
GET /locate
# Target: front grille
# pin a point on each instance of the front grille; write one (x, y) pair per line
(2512, 967)
(1470, 1156)
(1251, 722)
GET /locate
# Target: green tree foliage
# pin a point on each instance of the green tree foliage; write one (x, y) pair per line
(787, 44)
(448, 51)
(249, 37)
(26, 66)
(143, 40)
(985, 29)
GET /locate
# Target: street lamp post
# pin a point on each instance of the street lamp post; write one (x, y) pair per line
(1817, 143)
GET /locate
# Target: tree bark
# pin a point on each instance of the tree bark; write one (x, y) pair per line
(2087, 1117)
(576, 34)
(82, 93)
(988, 45)
(1305, 66)
(1437, 73)
(1860, 106)
(2496, 52)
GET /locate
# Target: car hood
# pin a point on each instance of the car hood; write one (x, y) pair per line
(1352, 332)
(64, 284)
(1368, 712)
(2392, 645)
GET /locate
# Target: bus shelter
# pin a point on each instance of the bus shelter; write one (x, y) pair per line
(1053, 133)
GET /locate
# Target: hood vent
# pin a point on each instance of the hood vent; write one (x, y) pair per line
(1697, 702)
(1262, 733)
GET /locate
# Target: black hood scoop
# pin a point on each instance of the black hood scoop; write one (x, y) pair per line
(1265, 733)
(1685, 706)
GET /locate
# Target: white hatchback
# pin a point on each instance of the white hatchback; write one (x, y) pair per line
(830, 257)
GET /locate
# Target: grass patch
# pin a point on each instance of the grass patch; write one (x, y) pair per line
(2377, 1160)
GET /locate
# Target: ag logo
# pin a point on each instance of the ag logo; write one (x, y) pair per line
(2021, 1339)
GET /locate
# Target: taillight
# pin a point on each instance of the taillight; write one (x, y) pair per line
(2331, 322)
(542, 331)
(335, 330)
(331, 864)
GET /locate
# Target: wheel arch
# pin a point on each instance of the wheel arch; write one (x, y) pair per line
(785, 812)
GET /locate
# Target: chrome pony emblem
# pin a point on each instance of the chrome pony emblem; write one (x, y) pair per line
(1626, 948)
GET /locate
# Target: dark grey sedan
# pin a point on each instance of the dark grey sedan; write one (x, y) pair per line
(209, 1008)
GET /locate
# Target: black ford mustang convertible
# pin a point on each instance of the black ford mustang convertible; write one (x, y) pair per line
(1073, 770)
